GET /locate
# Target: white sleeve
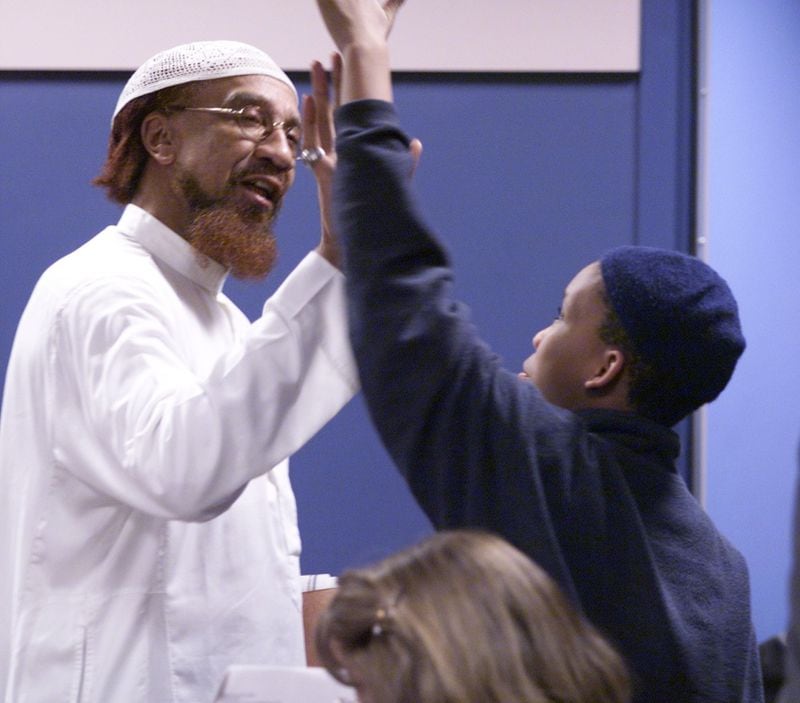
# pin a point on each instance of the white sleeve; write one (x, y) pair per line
(136, 423)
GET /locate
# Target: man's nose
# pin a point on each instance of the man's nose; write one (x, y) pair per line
(539, 336)
(277, 148)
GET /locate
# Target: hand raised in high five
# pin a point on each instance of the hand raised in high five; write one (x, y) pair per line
(358, 21)
(360, 28)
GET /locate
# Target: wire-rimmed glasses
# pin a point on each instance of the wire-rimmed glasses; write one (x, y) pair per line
(253, 123)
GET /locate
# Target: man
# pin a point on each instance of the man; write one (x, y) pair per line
(149, 535)
(573, 460)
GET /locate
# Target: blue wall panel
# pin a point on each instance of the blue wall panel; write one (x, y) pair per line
(527, 180)
(527, 177)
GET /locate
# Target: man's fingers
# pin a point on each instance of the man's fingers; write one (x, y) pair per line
(310, 139)
(415, 147)
(336, 78)
(324, 121)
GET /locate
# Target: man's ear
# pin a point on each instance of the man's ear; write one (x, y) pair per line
(158, 139)
(609, 372)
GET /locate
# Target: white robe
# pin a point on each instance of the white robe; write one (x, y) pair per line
(148, 529)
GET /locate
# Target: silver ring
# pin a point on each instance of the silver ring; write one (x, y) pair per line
(310, 156)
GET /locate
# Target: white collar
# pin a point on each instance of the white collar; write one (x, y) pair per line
(168, 246)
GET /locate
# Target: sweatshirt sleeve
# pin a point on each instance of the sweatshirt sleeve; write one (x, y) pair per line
(477, 446)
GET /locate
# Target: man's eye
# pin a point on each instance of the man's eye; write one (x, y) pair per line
(251, 112)
(252, 117)
(294, 135)
(559, 313)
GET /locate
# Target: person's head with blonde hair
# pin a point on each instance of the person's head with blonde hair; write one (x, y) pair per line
(464, 617)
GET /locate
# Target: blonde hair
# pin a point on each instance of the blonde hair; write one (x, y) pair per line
(464, 617)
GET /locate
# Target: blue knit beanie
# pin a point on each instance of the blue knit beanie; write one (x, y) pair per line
(680, 317)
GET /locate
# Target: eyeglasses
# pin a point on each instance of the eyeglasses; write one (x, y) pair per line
(253, 123)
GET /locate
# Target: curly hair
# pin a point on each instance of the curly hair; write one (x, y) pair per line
(126, 158)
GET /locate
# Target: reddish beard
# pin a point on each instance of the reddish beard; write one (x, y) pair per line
(237, 237)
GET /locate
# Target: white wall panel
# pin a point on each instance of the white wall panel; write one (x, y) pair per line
(431, 35)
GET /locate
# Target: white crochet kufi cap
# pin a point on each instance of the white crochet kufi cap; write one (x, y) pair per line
(198, 61)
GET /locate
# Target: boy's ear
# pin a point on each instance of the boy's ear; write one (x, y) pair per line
(609, 371)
